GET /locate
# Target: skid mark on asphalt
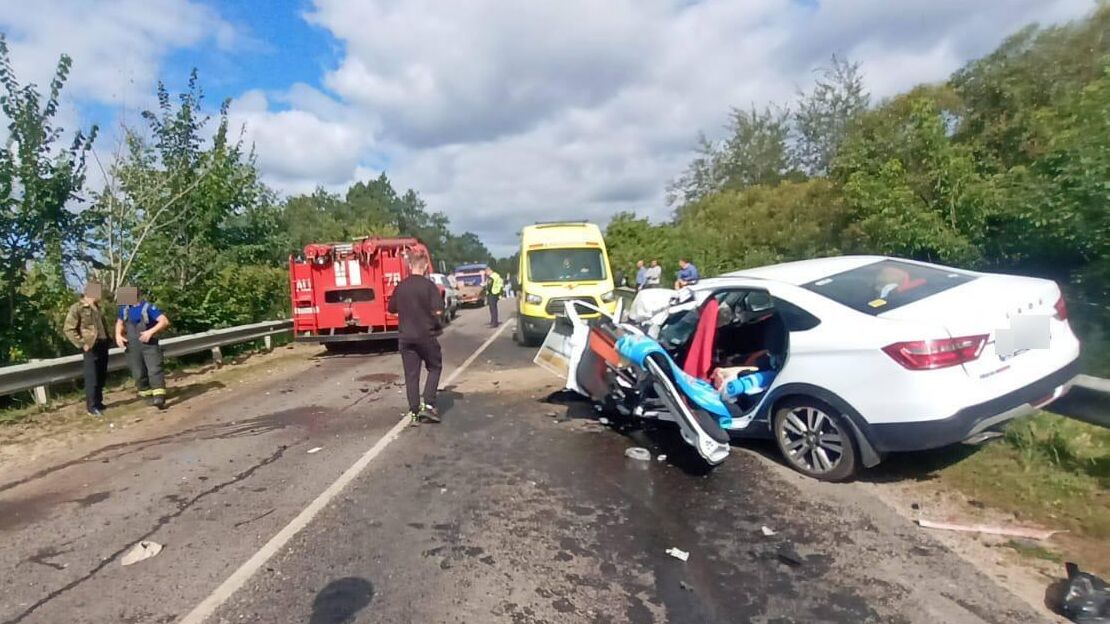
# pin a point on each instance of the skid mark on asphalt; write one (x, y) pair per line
(183, 505)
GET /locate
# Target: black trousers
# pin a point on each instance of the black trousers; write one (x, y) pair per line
(491, 301)
(95, 367)
(415, 353)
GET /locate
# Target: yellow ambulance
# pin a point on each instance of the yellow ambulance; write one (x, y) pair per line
(559, 263)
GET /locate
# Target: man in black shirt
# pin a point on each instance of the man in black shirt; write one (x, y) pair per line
(419, 308)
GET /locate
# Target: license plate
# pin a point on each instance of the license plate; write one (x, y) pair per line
(1026, 332)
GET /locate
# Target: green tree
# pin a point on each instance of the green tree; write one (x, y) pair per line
(40, 227)
(824, 116)
(755, 151)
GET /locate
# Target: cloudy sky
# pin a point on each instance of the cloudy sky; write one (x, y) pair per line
(500, 112)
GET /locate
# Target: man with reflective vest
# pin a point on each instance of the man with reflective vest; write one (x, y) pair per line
(494, 287)
(137, 328)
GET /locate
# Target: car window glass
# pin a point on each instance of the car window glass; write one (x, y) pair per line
(795, 318)
(886, 285)
(566, 265)
(679, 327)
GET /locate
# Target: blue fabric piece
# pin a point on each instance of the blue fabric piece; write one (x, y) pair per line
(752, 383)
(136, 314)
(637, 348)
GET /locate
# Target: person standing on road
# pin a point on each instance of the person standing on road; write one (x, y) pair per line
(494, 287)
(654, 276)
(86, 329)
(137, 327)
(419, 309)
(687, 274)
(641, 275)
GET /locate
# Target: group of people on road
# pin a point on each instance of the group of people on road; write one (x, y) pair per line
(416, 302)
(138, 323)
(652, 276)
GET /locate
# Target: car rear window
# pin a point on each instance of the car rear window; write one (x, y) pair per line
(886, 285)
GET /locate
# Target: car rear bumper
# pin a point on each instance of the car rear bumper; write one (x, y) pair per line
(325, 338)
(974, 422)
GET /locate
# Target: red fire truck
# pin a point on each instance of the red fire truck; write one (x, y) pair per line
(340, 290)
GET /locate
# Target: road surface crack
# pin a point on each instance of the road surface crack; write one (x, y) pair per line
(182, 507)
(250, 520)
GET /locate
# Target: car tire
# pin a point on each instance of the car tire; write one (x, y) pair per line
(815, 439)
(527, 338)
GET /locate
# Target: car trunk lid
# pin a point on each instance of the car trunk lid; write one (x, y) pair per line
(1015, 314)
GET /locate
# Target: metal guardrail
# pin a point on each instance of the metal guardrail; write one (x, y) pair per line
(38, 375)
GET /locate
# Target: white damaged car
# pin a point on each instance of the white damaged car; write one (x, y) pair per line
(839, 360)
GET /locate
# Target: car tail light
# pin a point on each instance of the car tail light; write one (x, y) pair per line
(1061, 308)
(942, 353)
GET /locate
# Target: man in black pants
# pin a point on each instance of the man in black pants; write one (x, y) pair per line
(85, 328)
(419, 307)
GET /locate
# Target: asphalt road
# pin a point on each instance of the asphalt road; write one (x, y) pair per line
(513, 510)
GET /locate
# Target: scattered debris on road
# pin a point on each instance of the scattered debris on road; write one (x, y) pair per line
(661, 457)
(639, 453)
(767, 531)
(143, 550)
(679, 554)
(683, 585)
(1087, 600)
(789, 556)
(603, 420)
(315, 449)
(1028, 532)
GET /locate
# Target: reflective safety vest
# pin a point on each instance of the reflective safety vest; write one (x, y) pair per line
(496, 284)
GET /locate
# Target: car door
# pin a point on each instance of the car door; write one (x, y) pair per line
(573, 340)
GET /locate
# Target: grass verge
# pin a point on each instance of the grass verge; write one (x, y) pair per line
(1048, 470)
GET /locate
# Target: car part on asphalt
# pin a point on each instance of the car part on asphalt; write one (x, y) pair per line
(678, 553)
(140, 552)
(1026, 532)
(638, 452)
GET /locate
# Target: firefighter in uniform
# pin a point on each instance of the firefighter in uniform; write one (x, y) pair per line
(137, 329)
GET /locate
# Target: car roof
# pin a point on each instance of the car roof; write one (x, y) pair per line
(471, 267)
(806, 271)
(562, 234)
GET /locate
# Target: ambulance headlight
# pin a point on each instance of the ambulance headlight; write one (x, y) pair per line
(531, 299)
(609, 297)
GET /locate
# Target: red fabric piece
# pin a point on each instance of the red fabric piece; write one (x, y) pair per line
(699, 359)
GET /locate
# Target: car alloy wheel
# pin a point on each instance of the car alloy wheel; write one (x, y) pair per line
(813, 440)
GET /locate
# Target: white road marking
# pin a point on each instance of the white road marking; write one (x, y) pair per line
(240, 576)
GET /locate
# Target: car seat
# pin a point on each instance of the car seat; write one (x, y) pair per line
(640, 350)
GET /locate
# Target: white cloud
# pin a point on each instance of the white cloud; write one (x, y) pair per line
(501, 112)
(505, 113)
(116, 45)
(297, 148)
